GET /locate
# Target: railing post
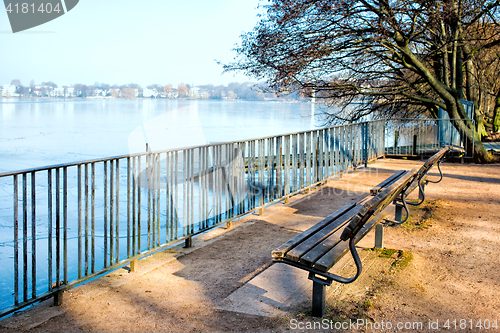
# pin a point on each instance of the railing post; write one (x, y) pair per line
(134, 264)
(396, 137)
(414, 144)
(365, 135)
(188, 242)
(58, 298)
(261, 209)
(313, 158)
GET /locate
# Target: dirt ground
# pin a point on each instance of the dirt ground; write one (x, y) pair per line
(451, 283)
(493, 137)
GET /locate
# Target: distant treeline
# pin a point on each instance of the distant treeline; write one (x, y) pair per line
(232, 91)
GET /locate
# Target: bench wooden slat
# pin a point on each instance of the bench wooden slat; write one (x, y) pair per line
(421, 174)
(384, 198)
(377, 203)
(414, 185)
(321, 249)
(283, 249)
(301, 249)
(432, 160)
(375, 190)
(334, 255)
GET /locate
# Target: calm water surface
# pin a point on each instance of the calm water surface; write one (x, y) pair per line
(43, 132)
(36, 133)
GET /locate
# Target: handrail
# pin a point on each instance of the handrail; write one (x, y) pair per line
(104, 159)
(72, 221)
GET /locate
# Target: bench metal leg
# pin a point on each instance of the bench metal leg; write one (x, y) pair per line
(319, 294)
(398, 216)
(379, 236)
(421, 195)
(318, 299)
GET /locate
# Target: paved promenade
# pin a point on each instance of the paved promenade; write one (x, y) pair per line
(226, 281)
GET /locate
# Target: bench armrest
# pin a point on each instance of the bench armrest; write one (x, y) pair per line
(377, 204)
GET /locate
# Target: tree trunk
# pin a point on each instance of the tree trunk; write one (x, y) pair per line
(481, 155)
(473, 95)
(480, 129)
(471, 138)
(473, 142)
(496, 113)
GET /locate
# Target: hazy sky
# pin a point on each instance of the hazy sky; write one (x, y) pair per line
(129, 41)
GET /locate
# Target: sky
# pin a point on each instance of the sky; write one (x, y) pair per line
(130, 41)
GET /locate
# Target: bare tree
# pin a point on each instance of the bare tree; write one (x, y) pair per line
(32, 87)
(114, 93)
(482, 82)
(44, 92)
(183, 90)
(167, 90)
(49, 84)
(389, 57)
(82, 90)
(128, 93)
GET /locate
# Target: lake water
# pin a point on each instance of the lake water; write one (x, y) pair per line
(36, 133)
(40, 132)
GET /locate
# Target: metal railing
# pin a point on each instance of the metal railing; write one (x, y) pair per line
(426, 136)
(72, 222)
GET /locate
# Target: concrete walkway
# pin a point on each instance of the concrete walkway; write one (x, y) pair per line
(225, 282)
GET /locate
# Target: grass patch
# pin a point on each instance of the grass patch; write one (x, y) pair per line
(401, 258)
(354, 307)
(387, 253)
(423, 216)
(341, 311)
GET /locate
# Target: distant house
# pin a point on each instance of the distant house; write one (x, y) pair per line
(51, 91)
(58, 92)
(41, 91)
(98, 92)
(61, 92)
(194, 93)
(203, 93)
(149, 93)
(9, 90)
(172, 94)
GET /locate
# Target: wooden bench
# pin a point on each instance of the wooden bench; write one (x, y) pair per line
(320, 247)
(420, 181)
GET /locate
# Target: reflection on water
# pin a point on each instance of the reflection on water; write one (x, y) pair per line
(36, 133)
(45, 132)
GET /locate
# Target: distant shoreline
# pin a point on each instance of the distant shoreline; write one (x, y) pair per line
(169, 99)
